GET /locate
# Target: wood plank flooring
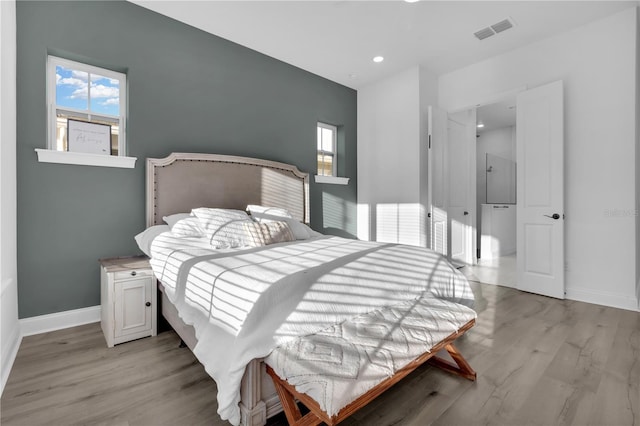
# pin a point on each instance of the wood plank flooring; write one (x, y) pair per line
(540, 361)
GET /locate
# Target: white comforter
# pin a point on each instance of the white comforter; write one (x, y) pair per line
(243, 303)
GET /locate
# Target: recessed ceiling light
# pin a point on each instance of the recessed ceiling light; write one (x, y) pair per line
(378, 59)
(480, 126)
(412, 1)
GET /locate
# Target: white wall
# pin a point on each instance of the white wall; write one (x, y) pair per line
(388, 159)
(9, 328)
(597, 63)
(393, 157)
(500, 142)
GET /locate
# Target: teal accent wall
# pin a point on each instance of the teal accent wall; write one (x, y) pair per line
(189, 91)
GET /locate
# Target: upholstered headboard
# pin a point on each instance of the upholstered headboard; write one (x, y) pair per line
(183, 181)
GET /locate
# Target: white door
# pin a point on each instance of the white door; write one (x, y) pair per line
(437, 183)
(132, 306)
(461, 206)
(540, 207)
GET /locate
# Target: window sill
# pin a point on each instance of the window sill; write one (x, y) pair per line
(78, 158)
(334, 180)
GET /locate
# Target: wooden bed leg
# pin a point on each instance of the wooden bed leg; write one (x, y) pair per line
(291, 410)
(289, 405)
(462, 363)
(461, 369)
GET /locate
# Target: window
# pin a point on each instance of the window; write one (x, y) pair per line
(327, 136)
(328, 155)
(91, 101)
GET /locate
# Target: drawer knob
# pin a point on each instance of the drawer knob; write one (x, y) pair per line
(148, 304)
(133, 273)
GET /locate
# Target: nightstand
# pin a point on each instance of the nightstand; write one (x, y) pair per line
(128, 298)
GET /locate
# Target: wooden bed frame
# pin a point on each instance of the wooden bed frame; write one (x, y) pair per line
(183, 181)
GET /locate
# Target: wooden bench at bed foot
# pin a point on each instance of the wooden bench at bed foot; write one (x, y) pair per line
(339, 370)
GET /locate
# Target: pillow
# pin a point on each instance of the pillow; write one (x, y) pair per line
(312, 233)
(173, 218)
(146, 237)
(188, 227)
(298, 228)
(273, 211)
(224, 227)
(262, 234)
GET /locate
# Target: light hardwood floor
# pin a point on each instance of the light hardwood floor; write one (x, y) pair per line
(539, 361)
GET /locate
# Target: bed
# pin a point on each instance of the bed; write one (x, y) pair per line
(261, 298)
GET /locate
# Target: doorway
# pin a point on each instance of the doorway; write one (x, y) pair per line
(496, 172)
(539, 174)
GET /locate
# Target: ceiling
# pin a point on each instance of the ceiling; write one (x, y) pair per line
(337, 39)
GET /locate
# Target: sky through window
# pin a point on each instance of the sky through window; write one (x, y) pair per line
(74, 91)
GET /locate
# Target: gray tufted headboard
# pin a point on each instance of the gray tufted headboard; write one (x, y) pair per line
(183, 181)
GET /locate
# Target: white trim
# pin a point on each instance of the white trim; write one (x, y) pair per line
(59, 320)
(91, 69)
(9, 358)
(332, 180)
(84, 159)
(334, 146)
(490, 99)
(604, 298)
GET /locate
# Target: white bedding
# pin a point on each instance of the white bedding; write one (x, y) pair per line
(243, 303)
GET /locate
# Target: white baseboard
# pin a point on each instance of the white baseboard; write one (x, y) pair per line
(59, 320)
(605, 298)
(9, 357)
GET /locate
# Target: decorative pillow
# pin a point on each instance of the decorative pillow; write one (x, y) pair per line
(298, 228)
(146, 237)
(273, 211)
(173, 218)
(188, 227)
(224, 227)
(262, 234)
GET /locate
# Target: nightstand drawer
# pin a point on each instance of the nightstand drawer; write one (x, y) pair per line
(134, 273)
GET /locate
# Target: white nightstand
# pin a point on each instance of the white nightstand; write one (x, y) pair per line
(128, 298)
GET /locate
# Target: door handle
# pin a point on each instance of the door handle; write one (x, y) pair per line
(555, 216)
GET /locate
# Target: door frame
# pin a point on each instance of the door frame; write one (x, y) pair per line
(487, 100)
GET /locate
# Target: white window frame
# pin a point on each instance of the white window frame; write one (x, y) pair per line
(334, 144)
(52, 154)
(333, 179)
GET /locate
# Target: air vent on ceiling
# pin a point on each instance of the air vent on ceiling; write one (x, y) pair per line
(496, 28)
(501, 26)
(484, 33)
